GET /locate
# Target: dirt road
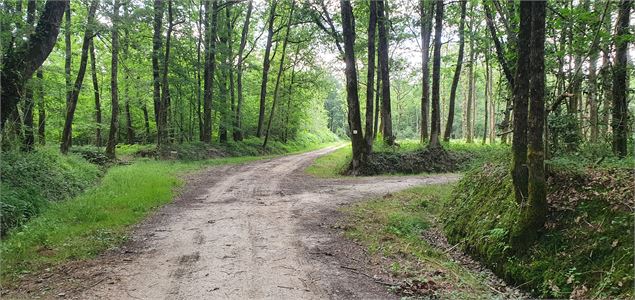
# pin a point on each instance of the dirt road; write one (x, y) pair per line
(251, 231)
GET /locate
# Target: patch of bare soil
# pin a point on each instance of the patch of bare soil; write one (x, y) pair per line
(262, 230)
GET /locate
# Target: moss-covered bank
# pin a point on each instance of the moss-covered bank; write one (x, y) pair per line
(586, 247)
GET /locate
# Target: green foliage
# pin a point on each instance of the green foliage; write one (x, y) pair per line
(564, 133)
(585, 248)
(31, 180)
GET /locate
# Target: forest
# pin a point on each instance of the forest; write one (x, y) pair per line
(506, 128)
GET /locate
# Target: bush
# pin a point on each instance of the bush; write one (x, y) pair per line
(30, 180)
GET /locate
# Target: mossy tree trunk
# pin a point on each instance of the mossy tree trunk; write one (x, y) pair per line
(620, 81)
(521, 95)
(533, 210)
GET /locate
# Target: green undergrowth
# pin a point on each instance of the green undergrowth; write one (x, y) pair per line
(392, 227)
(30, 181)
(586, 247)
(97, 219)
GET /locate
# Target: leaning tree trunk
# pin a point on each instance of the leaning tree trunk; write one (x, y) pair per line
(280, 70)
(426, 31)
(457, 73)
(436, 78)
(620, 81)
(96, 92)
(386, 112)
(352, 96)
(22, 62)
(266, 64)
(72, 105)
(238, 132)
(114, 92)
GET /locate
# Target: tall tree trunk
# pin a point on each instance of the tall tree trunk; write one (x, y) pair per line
(20, 64)
(164, 107)
(533, 212)
(96, 92)
(227, 75)
(70, 111)
(210, 66)
(146, 121)
(470, 89)
(41, 109)
(29, 137)
(238, 132)
(377, 101)
(266, 64)
(370, 76)
(436, 77)
(199, 42)
(280, 70)
(231, 117)
(457, 73)
(289, 94)
(486, 96)
(521, 95)
(592, 98)
(126, 46)
(386, 111)
(352, 97)
(606, 83)
(114, 92)
(157, 45)
(68, 54)
(426, 31)
(620, 81)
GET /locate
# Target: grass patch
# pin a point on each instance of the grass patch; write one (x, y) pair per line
(586, 247)
(332, 164)
(96, 220)
(392, 227)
